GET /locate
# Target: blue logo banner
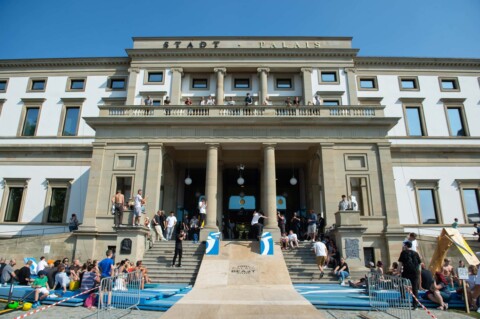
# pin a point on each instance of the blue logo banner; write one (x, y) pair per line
(266, 244)
(213, 243)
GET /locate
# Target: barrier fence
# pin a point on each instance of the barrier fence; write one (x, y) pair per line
(390, 294)
(119, 294)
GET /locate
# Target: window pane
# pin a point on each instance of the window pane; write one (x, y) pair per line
(329, 77)
(427, 206)
(367, 84)
(242, 83)
(124, 184)
(13, 205)
(117, 84)
(448, 85)
(3, 85)
(38, 85)
(156, 102)
(200, 84)
(155, 77)
(57, 205)
(284, 83)
(408, 84)
(414, 121)
(77, 84)
(71, 121)
(456, 123)
(30, 121)
(472, 205)
(330, 102)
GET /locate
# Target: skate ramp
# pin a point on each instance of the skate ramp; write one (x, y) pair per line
(241, 283)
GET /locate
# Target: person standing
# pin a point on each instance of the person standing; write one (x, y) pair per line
(409, 264)
(106, 270)
(194, 229)
(178, 248)
(321, 255)
(148, 101)
(202, 207)
(455, 223)
(157, 223)
(343, 204)
(412, 238)
(137, 212)
(312, 225)
(171, 222)
(295, 222)
(248, 100)
(281, 222)
(118, 202)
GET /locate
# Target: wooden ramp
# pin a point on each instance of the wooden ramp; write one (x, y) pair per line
(240, 283)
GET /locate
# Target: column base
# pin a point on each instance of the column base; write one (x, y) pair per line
(206, 230)
(275, 232)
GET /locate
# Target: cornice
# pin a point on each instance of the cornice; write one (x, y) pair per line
(65, 62)
(255, 38)
(435, 148)
(416, 62)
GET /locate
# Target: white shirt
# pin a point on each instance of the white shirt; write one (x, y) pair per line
(320, 249)
(292, 237)
(41, 265)
(203, 207)
(171, 221)
(414, 245)
(203, 102)
(256, 218)
(138, 201)
(210, 102)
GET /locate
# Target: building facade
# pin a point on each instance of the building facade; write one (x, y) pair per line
(400, 134)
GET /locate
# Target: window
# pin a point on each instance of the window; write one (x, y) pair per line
(470, 196)
(57, 205)
(70, 123)
(37, 85)
(241, 83)
(367, 83)
(413, 121)
(124, 184)
(3, 85)
(31, 121)
(76, 84)
(449, 84)
(456, 122)
(359, 188)
(329, 77)
(14, 198)
(156, 102)
(408, 84)
(428, 205)
(284, 84)
(331, 102)
(200, 84)
(117, 83)
(154, 77)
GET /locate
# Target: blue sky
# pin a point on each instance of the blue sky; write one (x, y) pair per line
(95, 28)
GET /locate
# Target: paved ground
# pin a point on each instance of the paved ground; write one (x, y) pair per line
(81, 312)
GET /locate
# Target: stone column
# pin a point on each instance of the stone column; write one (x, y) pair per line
(132, 84)
(328, 174)
(177, 74)
(307, 85)
(220, 94)
(211, 190)
(263, 73)
(351, 86)
(270, 190)
(219, 213)
(154, 176)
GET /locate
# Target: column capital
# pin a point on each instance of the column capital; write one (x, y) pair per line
(350, 70)
(154, 145)
(269, 145)
(304, 70)
(220, 70)
(136, 70)
(213, 145)
(324, 145)
(99, 144)
(384, 145)
(179, 70)
(263, 69)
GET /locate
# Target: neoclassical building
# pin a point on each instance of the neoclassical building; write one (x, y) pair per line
(400, 134)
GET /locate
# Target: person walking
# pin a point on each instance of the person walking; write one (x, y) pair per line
(321, 253)
(157, 223)
(409, 264)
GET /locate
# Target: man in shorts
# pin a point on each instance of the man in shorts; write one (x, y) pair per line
(321, 254)
(312, 225)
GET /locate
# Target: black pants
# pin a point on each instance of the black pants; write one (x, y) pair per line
(203, 218)
(178, 252)
(415, 283)
(118, 214)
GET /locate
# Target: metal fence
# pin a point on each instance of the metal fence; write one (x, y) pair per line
(119, 294)
(390, 294)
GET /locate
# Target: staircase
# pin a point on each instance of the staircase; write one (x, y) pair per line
(303, 268)
(159, 259)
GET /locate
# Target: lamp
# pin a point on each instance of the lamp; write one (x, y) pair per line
(188, 180)
(240, 180)
(293, 180)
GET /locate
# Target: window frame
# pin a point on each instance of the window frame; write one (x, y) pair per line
(323, 100)
(71, 80)
(6, 84)
(116, 78)
(70, 103)
(248, 78)
(463, 118)
(27, 104)
(200, 78)
(278, 77)
(453, 79)
(408, 78)
(146, 76)
(372, 78)
(51, 184)
(114, 186)
(423, 125)
(468, 184)
(31, 82)
(334, 71)
(367, 208)
(433, 185)
(13, 183)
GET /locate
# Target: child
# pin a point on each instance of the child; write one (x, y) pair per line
(41, 287)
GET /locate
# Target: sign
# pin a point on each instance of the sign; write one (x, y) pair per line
(266, 244)
(213, 243)
(243, 270)
(462, 273)
(46, 249)
(352, 249)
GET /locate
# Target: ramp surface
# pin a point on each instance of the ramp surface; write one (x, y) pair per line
(240, 283)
